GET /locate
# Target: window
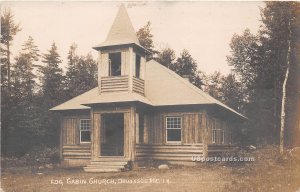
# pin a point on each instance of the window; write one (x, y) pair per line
(114, 68)
(223, 137)
(137, 65)
(85, 130)
(213, 131)
(213, 136)
(173, 128)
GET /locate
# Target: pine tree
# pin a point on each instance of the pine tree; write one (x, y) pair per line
(8, 31)
(22, 126)
(52, 76)
(81, 74)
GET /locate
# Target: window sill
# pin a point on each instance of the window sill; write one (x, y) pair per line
(84, 143)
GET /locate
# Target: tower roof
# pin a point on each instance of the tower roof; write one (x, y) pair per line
(121, 32)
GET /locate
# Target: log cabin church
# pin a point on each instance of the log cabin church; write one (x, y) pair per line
(140, 111)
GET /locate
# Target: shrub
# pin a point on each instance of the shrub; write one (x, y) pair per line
(41, 155)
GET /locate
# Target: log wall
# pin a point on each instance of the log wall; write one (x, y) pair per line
(172, 153)
(73, 153)
(219, 125)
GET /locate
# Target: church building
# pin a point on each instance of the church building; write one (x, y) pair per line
(140, 111)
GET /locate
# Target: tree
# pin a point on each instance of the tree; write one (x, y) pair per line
(8, 30)
(231, 91)
(279, 36)
(283, 100)
(22, 115)
(81, 73)
(186, 66)
(52, 92)
(52, 76)
(145, 38)
(245, 59)
(261, 62)
(213, 85)
(166, 57)
(226, 89)
(31, 50)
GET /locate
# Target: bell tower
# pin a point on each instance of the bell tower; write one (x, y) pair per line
(121, 63)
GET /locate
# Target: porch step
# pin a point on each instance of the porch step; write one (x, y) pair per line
(105, 166)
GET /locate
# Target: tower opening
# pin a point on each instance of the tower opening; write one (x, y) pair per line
(114, 64)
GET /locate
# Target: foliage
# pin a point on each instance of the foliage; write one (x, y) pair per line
(166, 57)
(226, 89)
(145, 38)
(186, 66)
(41, 155)
(81, 74)
(8, 31)
(52, 76)
(259, 62)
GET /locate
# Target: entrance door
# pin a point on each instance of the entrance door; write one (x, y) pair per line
(112, 134)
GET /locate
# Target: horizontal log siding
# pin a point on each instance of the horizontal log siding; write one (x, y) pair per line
(214, 150)
(77, 152)
(168, 152)
(71, 148)
(138, 86)
(114, 84)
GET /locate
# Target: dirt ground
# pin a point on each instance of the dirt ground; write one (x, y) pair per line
(208, 178)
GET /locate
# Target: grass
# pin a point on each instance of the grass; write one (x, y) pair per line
(269, 172)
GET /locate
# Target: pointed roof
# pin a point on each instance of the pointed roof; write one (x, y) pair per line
(121, 32)
(163, 87)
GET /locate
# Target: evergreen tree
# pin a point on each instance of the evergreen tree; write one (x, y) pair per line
(52, 77)
(81, 73)
(23, 129)
(186, 66)
(8, 31)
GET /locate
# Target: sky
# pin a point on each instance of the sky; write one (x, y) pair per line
(203, 28)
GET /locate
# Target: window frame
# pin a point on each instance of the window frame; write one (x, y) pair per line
(214, 131)
(110, 64)
(166, 127)
(213, 136)
(80, 130)
(223, 137)
(136, 64)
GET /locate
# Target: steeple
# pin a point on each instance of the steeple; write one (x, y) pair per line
(121, 32)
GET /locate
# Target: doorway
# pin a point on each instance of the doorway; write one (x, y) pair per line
(112, 134)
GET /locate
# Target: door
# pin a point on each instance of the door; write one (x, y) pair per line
(112, 134)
